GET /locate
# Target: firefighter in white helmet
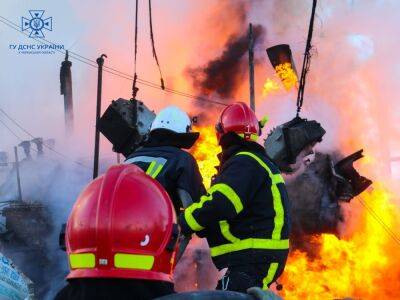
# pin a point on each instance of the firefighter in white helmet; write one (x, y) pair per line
(162, 157)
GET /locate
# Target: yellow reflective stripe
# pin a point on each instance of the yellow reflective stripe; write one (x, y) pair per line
(224, 225)
(154, 165)
(276, 196)
(273, 267)
(229, 193)
(279, 213)
(253, 136)
(276, 178)
(133, 261)
(150, 168)
(222, 188)
(190, 220)
(189, 213)
(157, 171)
(82, 260)
(251, 243)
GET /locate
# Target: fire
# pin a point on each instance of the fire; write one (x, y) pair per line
(286, 79)
(287, 75)
(205, 151)
(271, 86)
(365, 263)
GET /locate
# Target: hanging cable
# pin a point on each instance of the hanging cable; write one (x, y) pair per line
(306, 61)
(10, 130)
(32, 136)
(134, 88)
(154, 48)
(381, 222)
(114, 71)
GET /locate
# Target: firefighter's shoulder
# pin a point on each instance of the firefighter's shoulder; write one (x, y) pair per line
(244, 162)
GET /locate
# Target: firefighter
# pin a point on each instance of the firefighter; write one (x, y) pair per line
(245, 214)
(162, 157)
(121, 238)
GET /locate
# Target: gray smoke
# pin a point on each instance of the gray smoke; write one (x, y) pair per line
(49, 189)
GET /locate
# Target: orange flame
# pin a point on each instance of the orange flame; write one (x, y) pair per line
(365, 265)
(205, 151)
(287, 76)
(271, 86)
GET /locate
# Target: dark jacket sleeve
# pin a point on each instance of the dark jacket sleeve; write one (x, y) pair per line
(189, 178)
(231, 191)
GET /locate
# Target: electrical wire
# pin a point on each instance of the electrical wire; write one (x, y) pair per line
(381, 222)
(134, 88)
(154, 48)
(114, 71)
(306, 62)
(32, 136)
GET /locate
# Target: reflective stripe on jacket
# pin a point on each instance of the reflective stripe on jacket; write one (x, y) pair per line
(245, 208)
(172, 167)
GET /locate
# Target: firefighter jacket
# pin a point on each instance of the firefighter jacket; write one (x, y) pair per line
(175, 169)
(245, 213)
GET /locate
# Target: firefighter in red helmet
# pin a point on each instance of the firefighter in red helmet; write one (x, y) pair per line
(121, 238)
(245, 214)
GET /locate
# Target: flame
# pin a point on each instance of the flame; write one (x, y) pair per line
(287, 75)
(285, 79)
(271, 86)
(205, 151)
(365, 264)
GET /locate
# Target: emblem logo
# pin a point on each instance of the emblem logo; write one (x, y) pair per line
(36, 24)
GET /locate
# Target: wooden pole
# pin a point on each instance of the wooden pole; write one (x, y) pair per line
(18, 177)
(251, 68)
(100, 62)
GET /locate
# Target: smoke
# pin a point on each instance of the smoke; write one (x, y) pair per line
(50, 187)
(224, 74)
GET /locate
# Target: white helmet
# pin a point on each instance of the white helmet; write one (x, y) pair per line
(172, 118)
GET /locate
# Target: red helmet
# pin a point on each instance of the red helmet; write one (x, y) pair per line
(123, 225)
(238, 118)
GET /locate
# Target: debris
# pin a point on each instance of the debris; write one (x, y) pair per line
(126, 124)
(316, 194)
(285, 142)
